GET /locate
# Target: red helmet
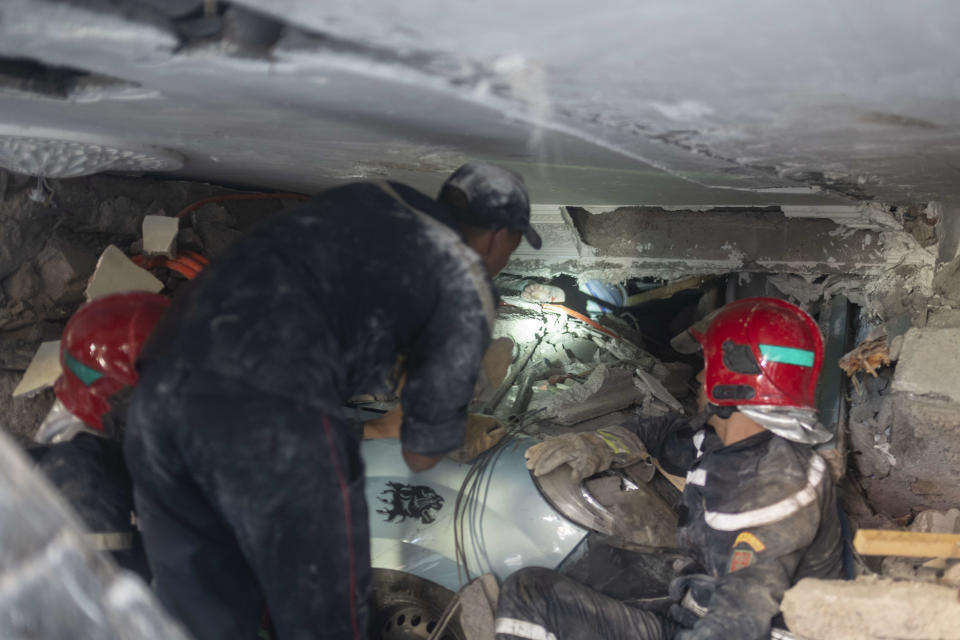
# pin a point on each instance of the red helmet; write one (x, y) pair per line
(760, 351)
(99, 350)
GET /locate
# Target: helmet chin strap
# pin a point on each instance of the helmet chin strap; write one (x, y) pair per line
(699, 420)
(721, 412)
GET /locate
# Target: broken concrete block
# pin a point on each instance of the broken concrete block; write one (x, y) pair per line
(951, 577)
(116, 273)
(22, 415)
(43, 370)
(944, 319)
(870, 608)
(119, 215)
(160, 235)
(925, 436)
(216, 227)
(654, 387)
(64, 266)
(24, 284)
(931, 521)
(606, 390)
(928, 364)
(675, 377)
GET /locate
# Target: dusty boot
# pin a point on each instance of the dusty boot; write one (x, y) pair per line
(478, 603)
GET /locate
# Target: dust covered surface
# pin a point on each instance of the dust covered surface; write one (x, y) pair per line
(871, 609)
(49, 245)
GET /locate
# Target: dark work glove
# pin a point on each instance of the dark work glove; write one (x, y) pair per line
(692, 594)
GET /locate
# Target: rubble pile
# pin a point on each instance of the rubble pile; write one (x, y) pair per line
(574, 373)
(567, 371)
(51, 240)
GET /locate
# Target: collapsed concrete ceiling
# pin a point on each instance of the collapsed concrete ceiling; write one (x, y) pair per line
(622, 102)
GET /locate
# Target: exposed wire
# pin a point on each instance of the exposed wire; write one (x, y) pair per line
(189, 266)
(471, 499)
(445, 617)
(579, 316)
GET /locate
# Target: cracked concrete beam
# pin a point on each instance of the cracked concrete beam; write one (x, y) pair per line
(654, 241)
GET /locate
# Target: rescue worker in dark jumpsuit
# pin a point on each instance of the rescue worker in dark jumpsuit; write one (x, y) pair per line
(759, 509)
(248, 480)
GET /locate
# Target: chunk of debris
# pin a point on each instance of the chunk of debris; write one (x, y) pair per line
(116, 273)
(24, 284)
(43, 370)
(657, 389)
(870, 608)
(921, 568)
(216, 228)
(931, 521)
(64, 266)
(160, 235)
(606, 390)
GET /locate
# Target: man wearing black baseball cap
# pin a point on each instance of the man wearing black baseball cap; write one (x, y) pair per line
(248, 478)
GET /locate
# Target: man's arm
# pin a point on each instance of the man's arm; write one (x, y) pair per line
(418, 462)
(442, 369)
(669, 439)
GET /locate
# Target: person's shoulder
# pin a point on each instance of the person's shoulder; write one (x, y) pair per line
(778, 472)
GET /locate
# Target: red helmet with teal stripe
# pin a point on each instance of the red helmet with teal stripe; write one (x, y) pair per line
(761, 351)
(99, 350)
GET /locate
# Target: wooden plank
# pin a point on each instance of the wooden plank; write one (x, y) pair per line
(877, 542)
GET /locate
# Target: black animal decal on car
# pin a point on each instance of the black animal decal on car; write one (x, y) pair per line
(409, 501)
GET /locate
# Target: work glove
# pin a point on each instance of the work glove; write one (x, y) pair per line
(586, 453)
(692, 594)
(482, 433)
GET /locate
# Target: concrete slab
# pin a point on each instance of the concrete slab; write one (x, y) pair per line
(160, 235)
(116, 273)
(43, 370)
(928, 364)
(672, 242)
(871, 608)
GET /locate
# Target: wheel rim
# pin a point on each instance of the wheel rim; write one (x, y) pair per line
(405, 607)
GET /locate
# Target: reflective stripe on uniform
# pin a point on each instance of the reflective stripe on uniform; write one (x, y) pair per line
(112, 541)
(776, 511)
(698, 439)
(697, 477)
(522, 629)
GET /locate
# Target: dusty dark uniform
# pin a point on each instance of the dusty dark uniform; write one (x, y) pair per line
(248, 482)
(756, 517)
(90, 474)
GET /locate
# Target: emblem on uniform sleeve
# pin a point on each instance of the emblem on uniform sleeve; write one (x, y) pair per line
(750, 540)
(409, 501)
(740, 559)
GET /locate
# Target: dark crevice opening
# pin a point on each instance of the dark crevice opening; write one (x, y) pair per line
(24, 75)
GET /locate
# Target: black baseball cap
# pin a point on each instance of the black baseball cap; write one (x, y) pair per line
(489, 197)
